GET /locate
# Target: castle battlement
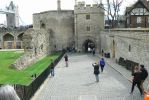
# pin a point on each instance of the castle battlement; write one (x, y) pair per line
(82, 4)
(81, 7)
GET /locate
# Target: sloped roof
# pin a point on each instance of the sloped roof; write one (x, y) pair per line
(145, 3)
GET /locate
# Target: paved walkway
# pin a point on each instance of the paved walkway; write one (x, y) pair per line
(77, 82)
(124, 72)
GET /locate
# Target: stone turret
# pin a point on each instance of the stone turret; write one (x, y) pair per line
(89, 21)
(12, 18)
(81, 7)
(142, 0)
(58, 5)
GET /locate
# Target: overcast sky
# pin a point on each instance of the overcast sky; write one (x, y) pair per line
(28, 7)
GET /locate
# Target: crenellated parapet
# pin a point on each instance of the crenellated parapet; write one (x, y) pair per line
(81, 7)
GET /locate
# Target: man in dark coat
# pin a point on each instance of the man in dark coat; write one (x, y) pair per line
(144, 75)
(66, 60)
(52, 68)
(96, 71)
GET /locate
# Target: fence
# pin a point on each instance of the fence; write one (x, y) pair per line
(26, 92)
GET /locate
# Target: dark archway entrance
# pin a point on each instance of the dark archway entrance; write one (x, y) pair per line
(88, 44)
(8, 41)
(19, 41)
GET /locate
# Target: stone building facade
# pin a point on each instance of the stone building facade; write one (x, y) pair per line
(72, 28)
(61, 29)
(131, 44)
(59, 23)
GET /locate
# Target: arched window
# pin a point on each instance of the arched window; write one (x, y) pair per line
(8, 37)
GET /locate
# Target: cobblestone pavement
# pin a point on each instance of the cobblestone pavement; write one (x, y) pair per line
(77, 82)
(124, 72)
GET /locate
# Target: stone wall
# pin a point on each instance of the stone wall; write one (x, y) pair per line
(131, 45)
(36, 46)
(11, 39)
(59, 23)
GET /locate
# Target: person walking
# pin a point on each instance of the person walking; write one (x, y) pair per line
(144, 74)
(136, 80)
(52, 68)
(93, 51)
(102, 52)
(96, 71)
(102, 64)
(66, 60)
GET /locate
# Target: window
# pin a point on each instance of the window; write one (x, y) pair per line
(88, 28)
(148, 19)
(139, 19)
(127, 21)
(129, 48)
(42, 25)
(87, 16)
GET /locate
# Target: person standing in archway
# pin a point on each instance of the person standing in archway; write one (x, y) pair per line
(102, 52)
(93, 51)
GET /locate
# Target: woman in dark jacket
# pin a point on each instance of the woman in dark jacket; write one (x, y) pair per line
(96, 71)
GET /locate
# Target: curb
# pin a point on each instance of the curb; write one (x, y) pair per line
(115, 69)
(119, 72)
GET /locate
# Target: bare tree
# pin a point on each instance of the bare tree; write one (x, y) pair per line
(112, 8)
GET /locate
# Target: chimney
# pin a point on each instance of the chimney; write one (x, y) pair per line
(100, 1)
(58, 5)
(75, 2)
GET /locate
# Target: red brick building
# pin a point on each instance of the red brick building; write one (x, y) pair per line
(137, 16)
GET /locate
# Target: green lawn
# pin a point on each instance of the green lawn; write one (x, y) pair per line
(23, 77)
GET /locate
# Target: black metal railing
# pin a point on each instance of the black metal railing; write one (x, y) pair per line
(26, 92)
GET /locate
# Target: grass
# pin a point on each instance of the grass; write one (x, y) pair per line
(23, 77)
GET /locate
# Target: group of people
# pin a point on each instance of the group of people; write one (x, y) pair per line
(91, 50)
(139, 75)
(96, 66)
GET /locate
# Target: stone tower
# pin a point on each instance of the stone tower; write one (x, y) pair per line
(89, 21)
(12, 18)
(58, 5)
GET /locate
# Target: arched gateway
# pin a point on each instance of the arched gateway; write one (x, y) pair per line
(88, 44)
